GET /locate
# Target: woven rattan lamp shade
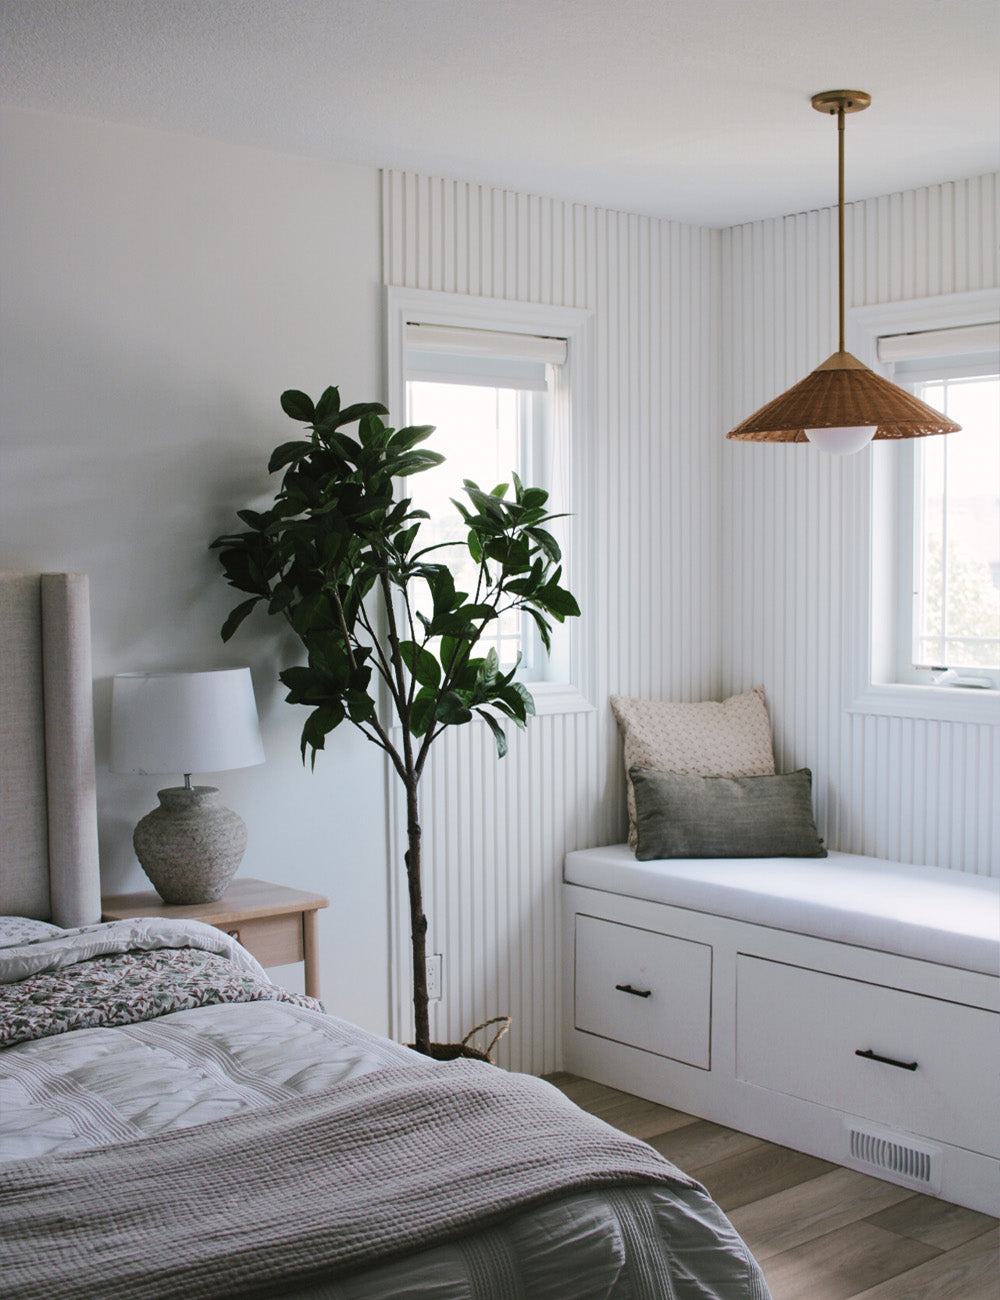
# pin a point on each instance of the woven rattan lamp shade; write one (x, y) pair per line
(842, 392)
(842, 395)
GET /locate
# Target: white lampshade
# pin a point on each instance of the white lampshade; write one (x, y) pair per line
(177, 722)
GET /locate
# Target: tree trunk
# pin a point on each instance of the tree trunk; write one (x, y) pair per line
(418, 922)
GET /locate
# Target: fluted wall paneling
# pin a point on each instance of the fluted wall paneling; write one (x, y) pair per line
(717, 565)
(496, 831)
(921, 791)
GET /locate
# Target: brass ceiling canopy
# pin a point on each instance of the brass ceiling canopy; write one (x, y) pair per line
(842, 404)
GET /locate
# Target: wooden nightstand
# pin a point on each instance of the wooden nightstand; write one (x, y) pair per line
(276, 924)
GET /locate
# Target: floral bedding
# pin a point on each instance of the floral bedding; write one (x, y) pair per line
(125, 988)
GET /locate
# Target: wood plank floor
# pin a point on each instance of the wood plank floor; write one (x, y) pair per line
(820, 1232)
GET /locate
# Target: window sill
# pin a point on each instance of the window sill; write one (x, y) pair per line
(558, 697)
(934, 703)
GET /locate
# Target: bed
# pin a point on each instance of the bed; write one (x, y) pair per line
(171, 1124)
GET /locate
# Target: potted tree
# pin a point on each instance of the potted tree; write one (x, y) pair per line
(391, 644)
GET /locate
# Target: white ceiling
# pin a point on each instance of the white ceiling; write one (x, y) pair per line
(696, 110)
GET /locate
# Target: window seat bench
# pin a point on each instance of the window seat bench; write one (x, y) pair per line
(845, 1006)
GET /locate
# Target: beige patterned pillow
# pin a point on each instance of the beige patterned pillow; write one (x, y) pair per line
(731, 738)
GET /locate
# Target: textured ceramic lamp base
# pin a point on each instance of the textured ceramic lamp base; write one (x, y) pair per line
(191, 845)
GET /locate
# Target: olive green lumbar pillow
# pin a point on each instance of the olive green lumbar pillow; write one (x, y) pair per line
(680, 816)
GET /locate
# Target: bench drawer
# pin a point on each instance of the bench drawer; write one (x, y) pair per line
(646, 989)
(819, 1037)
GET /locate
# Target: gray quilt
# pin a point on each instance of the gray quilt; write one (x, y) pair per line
(243, 1207)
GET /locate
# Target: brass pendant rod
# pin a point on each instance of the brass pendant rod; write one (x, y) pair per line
(841, 102)
(840, 217)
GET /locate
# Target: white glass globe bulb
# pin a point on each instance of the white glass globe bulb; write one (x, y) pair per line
(844, 441)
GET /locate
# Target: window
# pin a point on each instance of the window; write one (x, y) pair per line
(928, 575)
(950, 495)
(491, 399)
(505, 385)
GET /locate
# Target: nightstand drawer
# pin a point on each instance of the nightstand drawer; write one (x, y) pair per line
(273, 940)
(646, 989)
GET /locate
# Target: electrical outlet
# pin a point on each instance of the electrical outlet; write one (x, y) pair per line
(434, 963)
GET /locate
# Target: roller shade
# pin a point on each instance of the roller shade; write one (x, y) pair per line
(942, 354)
(488, 358)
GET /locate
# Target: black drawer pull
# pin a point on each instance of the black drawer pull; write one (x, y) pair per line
(636, 993)
(869, 1055)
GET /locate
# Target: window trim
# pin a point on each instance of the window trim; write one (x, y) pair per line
(575, 694)
(869, 663)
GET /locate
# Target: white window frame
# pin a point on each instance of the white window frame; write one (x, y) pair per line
(870, 663)
(910, 536)
(568, 686)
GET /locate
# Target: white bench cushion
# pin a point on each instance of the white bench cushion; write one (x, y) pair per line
(950, 917)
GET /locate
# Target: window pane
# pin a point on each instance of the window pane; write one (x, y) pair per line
(481, 432)
(957, 577)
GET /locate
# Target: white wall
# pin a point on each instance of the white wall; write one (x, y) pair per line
(496, 832)
(921, 791)
(159, 293)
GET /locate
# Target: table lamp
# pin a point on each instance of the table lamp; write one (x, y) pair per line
(184, 722)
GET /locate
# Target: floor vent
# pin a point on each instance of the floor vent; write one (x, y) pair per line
(896, 1155)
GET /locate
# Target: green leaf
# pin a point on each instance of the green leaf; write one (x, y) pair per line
(544, 628)
(312, 611)
(237, 616)
(452, 709)
(421, 663)
(513, 701)
(547, 542)
(488, 671)
(351, 413)
(287, 454)
(405, 439)
(318, 726)
(526, 696)
(485, 502)
(297, 405)
(328, 404)
(281, 597)
(498, 731)
(559, 602)
(415, 462)
(485, 612)
(451, 649)
(422, 712)
(405, 539)
(360, 707)
(303, 683)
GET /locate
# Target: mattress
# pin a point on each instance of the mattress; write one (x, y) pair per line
(930, 913)
(116, 1082)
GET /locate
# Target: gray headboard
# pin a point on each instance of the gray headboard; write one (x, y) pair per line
(48, 805)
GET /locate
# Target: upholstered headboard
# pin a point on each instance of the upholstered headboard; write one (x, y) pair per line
(48, 806)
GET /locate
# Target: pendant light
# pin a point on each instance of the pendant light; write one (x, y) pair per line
(842, 405)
